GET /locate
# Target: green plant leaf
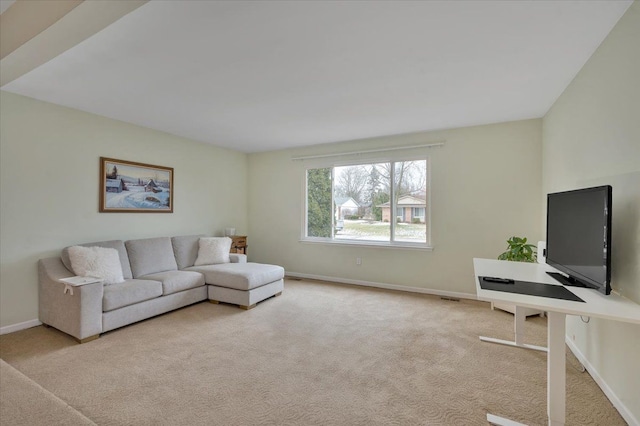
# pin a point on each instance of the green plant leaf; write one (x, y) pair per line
(519, 250)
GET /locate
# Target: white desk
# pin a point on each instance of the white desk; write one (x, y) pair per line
(596, 304)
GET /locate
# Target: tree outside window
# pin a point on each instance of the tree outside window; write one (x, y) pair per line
(319, 222)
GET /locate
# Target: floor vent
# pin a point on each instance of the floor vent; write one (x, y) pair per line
(450, 299)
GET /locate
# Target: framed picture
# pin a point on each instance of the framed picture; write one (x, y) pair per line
(129, 187)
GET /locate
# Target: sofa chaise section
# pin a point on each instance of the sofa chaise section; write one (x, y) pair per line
(243, 284)
(239, 282)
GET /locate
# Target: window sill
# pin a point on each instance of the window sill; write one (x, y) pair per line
(360, 243)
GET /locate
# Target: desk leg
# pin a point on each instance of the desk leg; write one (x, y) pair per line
(501, 421)
(556, 364)
(556, 368)
(518, 325)
(518, 329)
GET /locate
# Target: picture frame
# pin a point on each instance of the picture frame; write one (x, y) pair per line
(132, 187)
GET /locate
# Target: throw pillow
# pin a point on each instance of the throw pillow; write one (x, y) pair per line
(213, 250)
(96, 262)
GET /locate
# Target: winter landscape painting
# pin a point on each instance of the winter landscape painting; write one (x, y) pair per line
(129, 187)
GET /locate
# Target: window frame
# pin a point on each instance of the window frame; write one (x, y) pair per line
(327, 163)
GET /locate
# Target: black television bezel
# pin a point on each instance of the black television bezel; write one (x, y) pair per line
(583, 280)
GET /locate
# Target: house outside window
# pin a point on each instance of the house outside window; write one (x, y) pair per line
(352, 203)
(346, 207)
(410, 209)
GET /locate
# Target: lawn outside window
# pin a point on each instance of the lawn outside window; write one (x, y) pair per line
(382, 203)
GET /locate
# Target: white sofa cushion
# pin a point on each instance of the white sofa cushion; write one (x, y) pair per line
(213, 251)
(115, 244)
(97, 262)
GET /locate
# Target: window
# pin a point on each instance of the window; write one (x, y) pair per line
(418, 213)
(354, 203)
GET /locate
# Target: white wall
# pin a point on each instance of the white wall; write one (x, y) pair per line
(486, 184)
(591, 136)
(49, 177)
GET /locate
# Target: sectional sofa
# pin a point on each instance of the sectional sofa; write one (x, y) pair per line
(159, 275)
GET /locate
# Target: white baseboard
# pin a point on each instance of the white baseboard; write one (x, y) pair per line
(20, 326)
(622, 409)
(451, 294)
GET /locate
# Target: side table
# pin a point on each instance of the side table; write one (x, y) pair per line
(239, 244)
(76, 281)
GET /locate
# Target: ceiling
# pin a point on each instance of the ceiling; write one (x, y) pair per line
(259, 76)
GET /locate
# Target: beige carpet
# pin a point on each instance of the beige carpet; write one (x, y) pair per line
(24, 402)
(321, 354)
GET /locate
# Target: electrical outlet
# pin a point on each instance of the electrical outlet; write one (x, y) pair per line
(358, 261)
(573, 336)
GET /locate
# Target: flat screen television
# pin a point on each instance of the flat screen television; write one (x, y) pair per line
(579, 237)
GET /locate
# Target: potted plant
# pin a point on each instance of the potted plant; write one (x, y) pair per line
(519, 251)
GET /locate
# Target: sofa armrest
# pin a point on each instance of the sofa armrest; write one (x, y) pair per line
(80, 314)
(238, 258)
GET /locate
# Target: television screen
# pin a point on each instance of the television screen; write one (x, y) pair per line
(579, 236)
